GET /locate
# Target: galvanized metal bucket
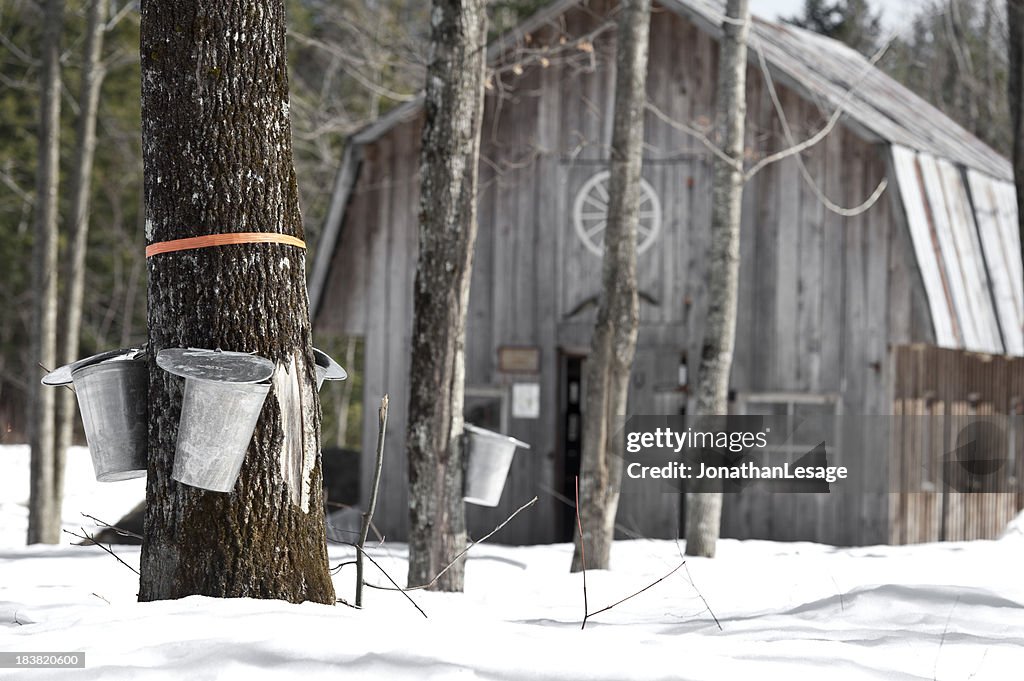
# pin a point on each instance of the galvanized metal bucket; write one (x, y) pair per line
(224, 394)
(112, 391)
(489, 457)
(327, 369)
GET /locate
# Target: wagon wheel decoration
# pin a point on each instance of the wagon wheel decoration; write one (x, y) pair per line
(590, 214)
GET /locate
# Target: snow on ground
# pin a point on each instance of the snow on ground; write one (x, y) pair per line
(788, 611)
(103, 500)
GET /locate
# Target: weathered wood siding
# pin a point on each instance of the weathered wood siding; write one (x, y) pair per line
(821, 296)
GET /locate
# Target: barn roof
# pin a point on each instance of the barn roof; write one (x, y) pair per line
(820, 68)
(956, 191)
(829, 72)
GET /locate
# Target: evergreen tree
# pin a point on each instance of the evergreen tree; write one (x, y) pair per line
(849, 21)
(955, 56)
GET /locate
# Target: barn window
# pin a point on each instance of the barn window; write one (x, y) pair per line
(590, 214)
(486, 407)
(811, 412)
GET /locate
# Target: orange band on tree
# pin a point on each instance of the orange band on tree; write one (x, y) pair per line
(222, 240)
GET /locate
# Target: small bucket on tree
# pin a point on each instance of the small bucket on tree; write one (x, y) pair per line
(224, 394)
(111, 388)
(327, 369)
(489, 457)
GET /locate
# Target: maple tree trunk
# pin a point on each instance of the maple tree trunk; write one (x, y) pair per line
(217, 158)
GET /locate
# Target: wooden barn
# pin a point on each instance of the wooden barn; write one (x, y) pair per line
(865, 313)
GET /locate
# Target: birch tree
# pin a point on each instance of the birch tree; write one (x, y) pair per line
(217, 158)
(449, 154)
(618, 317)
(81, 186)
(704, 510)
(43, 506)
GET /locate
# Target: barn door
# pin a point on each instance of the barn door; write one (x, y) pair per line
(570, 392)
(653, 389)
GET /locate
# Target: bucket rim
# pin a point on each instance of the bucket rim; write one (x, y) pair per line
(483, 432)
(63, 375)
(334, 371)
(215, 366)
(108, 365)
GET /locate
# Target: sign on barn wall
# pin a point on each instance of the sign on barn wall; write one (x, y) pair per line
(526, 400)
(519, 359)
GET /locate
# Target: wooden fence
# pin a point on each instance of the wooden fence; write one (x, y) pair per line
(940, 492)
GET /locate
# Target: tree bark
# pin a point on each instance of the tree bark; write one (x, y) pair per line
(43, 507)
(449, 155)
(704, 510)
(81, 190)
(618, 316)
(1015, 17)
(217, 158)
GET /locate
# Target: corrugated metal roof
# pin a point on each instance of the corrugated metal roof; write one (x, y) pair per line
(963, 226)
(995, 209)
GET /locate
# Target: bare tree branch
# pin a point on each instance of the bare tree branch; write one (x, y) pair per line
(397, 588)
(334, 51)
(696, 133)
(583, 568)
(121, 531)
(128, 8)
(85, 536)
(788, 132)
(833, 119)
(433, 581)
(637, 593)
(14, 187)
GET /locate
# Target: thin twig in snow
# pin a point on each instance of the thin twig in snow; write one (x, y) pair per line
(980, 663)
(842, 602)
(935, 669)
(397, 588)
(637, 593)
(337, 568)
(583, 563)
(88, 537)
(689, 578)
(711, 612)
(464, 551)
(382, 419)
(120, 531)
